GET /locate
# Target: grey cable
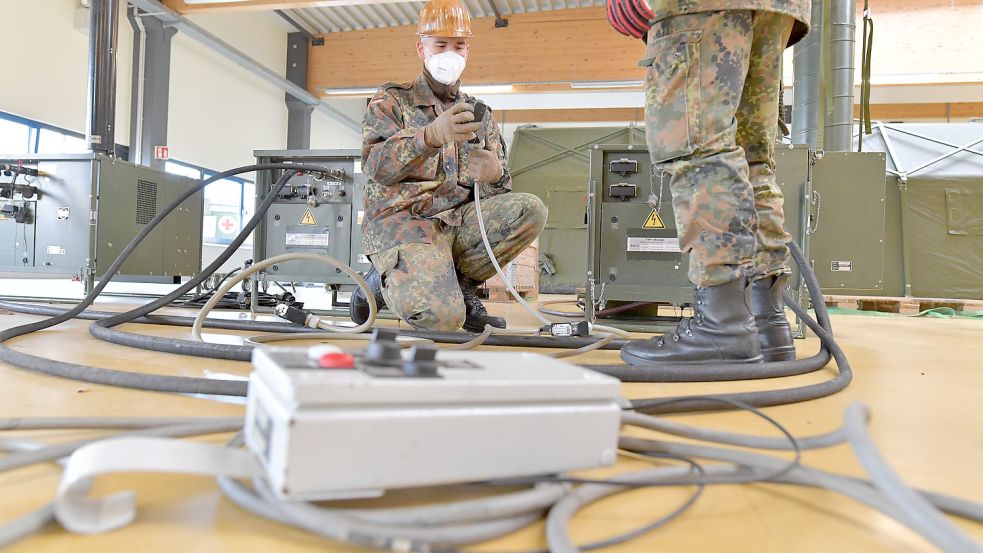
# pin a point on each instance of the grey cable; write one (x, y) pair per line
(26, 525)
(378, 532)
(32, 522)
(538, 498)
(52, 452)
(47, 423)
(829, 439)
(378, 527)
(335, 525)
(857, 489)
(558, 520)
(13, 445)
(272, 261)
(938, 529)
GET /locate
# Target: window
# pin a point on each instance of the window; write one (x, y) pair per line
(15, 138)
(54, 142)
(228, 203)
(179, 168)
(19, 135)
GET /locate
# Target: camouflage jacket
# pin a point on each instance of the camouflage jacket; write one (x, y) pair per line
(410, 183)
(799, 9)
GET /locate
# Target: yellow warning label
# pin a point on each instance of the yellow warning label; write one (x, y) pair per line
(654, 221)
(308, 218)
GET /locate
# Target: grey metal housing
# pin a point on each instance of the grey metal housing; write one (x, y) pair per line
(334, 225)
(87, 209)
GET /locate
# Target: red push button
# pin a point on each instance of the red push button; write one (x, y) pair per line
(337, 361)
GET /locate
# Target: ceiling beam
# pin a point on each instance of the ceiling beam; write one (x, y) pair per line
(154, 8)
(191, 7)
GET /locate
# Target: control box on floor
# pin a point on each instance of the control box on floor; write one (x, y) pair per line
(72, 215)
(329, 424)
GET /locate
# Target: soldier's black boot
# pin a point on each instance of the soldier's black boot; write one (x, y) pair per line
(721, 331)
(358, 305)
(768, 307)
(476, 315)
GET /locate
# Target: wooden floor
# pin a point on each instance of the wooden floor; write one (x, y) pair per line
(921, 377)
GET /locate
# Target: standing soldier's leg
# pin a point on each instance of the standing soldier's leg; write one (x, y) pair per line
(696, 68)
(512, 222)
(757, 123)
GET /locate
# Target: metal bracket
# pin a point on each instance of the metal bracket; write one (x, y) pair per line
(500, 23)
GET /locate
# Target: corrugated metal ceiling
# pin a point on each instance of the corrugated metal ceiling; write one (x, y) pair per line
(373, 16)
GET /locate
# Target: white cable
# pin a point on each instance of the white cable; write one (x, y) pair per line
(494, 261)
(259, 266)
(612, 330)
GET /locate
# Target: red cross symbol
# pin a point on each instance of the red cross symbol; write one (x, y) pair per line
(227, 224)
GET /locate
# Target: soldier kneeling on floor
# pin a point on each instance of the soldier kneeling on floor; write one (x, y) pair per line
(421, 226)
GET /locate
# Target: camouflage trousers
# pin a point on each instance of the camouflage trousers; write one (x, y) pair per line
(421, 281)
(711, 117)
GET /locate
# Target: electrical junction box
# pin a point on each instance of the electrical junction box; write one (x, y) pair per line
(76, 216)
(313, 214)
(359, 428)
(633, 252)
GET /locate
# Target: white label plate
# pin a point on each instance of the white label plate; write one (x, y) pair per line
(307, 239)
(653, 244)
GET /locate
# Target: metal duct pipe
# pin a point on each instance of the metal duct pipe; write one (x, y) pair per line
(103, 33)
(843, 39)
(806, 57)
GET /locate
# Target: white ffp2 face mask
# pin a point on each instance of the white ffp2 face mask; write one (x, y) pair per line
(445, 67)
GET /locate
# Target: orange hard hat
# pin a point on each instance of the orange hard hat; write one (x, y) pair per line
(448, 18)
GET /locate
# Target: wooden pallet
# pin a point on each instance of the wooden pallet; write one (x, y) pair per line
(496, 294)
(903, 306)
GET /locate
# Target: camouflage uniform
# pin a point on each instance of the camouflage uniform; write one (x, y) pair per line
(420, 227)
(713, 71)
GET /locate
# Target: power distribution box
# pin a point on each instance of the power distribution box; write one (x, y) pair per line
(834, 208)
(313, 214)
(634, 254)
(339, 425)
(73, 214)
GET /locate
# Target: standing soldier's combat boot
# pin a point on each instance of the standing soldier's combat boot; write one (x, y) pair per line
(721, 330)
(768, 306)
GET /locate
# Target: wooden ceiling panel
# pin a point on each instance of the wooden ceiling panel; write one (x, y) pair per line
(554, 46)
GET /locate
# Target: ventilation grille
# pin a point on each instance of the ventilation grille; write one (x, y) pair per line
(146, 201)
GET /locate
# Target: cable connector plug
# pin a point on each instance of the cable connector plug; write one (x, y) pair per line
(580, 328)
(296, 315)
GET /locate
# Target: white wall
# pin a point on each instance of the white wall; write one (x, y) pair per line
(219, 112)
(45, 60)
(327, 133)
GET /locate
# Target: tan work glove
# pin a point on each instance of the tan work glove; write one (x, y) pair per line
(455, 124)
(484, 167)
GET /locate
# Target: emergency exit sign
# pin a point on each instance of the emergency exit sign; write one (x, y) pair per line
(162, 152)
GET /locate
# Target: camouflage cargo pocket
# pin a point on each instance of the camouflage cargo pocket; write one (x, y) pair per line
(672, 95)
